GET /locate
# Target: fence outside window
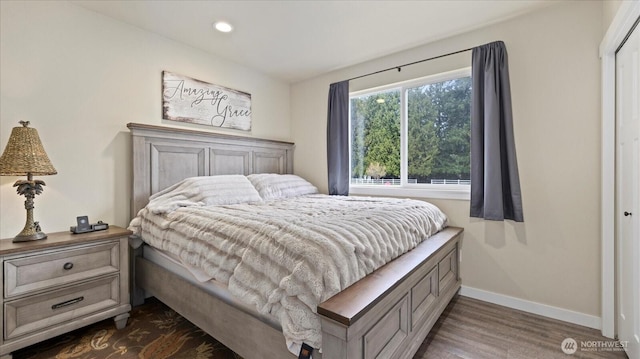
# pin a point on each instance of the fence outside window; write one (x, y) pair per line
(396, 181)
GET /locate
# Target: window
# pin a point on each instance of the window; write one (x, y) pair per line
(414, 135)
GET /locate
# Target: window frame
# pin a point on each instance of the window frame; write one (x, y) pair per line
(405, 189)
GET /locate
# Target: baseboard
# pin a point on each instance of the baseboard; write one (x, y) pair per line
(544, 310)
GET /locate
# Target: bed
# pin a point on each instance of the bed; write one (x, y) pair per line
(386, 314)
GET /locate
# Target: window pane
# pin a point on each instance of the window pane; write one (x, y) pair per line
(375, 138)
(439, 132)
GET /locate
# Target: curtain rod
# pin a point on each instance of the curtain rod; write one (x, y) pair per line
(411, 63)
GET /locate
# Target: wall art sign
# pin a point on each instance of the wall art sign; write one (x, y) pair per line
(189, 100)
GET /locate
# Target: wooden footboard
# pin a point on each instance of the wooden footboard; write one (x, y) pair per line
(387, 314)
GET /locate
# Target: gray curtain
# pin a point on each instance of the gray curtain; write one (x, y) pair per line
(338, 138)
(495, 184)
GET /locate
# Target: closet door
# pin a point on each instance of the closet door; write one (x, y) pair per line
(628, 192)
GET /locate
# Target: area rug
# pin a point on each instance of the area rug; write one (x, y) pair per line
(153, 332)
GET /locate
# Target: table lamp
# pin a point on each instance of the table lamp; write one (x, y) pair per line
(24, 155)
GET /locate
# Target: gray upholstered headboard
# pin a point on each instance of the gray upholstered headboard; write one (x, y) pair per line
(163, 156)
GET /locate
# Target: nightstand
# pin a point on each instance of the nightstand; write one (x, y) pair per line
(62, 283)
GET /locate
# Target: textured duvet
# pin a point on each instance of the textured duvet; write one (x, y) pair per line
(286, 256)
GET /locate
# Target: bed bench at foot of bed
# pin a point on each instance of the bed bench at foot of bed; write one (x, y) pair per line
(389, 313)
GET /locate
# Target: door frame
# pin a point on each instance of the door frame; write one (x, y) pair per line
(622, 23)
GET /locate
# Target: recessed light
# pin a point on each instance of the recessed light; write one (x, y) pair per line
(223, 26)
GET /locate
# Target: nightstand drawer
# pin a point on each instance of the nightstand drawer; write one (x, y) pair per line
(37, 272)
(28, 315)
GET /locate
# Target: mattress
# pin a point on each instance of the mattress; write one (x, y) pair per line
(204, 281)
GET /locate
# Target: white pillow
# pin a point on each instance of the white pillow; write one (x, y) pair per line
(275, 186)
(204, 191)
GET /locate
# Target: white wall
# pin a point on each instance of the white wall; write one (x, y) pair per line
(609, 9)
(80, 77)
(554, 257)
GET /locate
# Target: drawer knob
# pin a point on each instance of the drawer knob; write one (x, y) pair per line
(67, 266)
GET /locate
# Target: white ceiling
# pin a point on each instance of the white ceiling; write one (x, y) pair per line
(297, 40)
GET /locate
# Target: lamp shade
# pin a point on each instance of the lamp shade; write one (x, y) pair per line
(24, 154)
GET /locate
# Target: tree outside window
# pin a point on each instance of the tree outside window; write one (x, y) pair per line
(437, 134)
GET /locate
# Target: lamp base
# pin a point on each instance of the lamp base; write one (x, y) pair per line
(29, 237)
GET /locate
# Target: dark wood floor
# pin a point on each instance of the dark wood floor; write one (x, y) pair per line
(470, 328)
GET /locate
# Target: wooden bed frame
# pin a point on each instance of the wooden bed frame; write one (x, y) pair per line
(387, 314)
